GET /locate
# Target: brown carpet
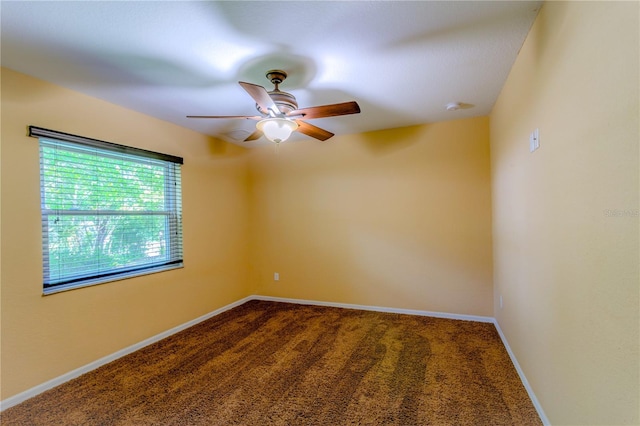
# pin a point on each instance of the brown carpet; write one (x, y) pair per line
(268, 363)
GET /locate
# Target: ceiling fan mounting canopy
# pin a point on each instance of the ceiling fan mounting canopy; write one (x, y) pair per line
(280, 110)
(276, 77)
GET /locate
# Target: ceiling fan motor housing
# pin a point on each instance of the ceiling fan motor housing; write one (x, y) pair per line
(285, 102)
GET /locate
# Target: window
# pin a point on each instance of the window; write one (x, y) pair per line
(108, 211)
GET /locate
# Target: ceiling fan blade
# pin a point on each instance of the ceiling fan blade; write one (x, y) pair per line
(313, 131)
(253, 136)
(248, 117)
(332, 110)
(261, 96)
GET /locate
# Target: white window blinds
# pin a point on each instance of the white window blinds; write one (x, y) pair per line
(108, 211)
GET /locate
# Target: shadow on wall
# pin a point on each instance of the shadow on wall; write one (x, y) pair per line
(383, 142)
(219, 148)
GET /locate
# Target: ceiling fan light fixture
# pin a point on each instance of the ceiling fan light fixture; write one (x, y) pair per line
(277, 129)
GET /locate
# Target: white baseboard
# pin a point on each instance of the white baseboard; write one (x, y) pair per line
(524, 380)
(30, 393)
(376, 309)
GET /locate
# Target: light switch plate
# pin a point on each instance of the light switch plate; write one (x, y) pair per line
(534, 140)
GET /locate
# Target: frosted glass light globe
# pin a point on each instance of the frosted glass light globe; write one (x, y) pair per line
(277, 129)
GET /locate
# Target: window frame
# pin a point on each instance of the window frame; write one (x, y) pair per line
(172, 210)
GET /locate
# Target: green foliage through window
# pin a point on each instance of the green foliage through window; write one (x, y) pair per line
(106, 215)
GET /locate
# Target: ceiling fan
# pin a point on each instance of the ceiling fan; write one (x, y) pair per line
(280, 115)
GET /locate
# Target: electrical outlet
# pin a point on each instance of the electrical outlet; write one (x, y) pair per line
(276, 276)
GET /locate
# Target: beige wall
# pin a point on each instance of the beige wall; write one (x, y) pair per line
(565, 218)
(44, 337)
(398, 218)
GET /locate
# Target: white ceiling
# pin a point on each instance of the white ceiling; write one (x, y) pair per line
(403, 62)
